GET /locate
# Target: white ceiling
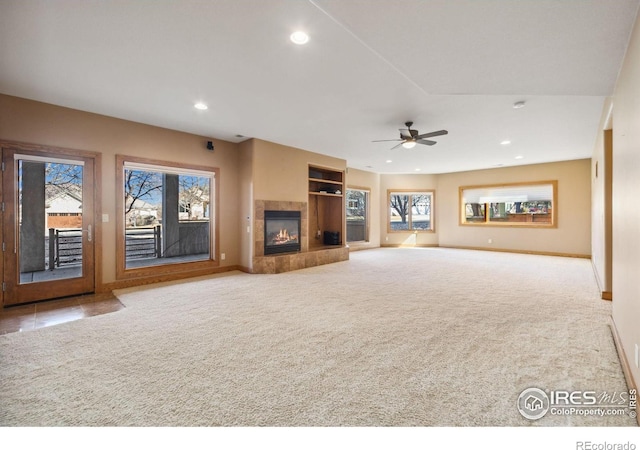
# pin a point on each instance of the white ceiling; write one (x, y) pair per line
(370, 66)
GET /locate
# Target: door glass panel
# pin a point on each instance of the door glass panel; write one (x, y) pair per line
(49, 220)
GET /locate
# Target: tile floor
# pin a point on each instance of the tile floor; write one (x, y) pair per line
(53, 312)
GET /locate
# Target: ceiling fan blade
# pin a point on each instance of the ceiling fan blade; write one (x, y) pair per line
(405, 133)
(425, 142)
(389, 140)
(433, 134)
(396, 146)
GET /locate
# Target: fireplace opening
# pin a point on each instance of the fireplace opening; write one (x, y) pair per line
(281, 232)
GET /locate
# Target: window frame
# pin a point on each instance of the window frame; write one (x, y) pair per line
(367, 206)
(122, 272)
(487, 222)
(432, 219)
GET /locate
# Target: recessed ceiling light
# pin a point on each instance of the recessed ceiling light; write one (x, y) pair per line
(239, 136)
(369, 167)
(417, 170)
(299, 37)
(518, 105)
(388, 161)
(506, 142)
(499, 165)
(519, 157)
(201, 106)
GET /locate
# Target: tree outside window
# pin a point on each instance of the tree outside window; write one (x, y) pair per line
(410, 211)
(167, 216)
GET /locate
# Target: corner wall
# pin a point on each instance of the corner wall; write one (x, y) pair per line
(600, 197)
(278, 173)
(245, 190)
(282, 173)
(626, 192)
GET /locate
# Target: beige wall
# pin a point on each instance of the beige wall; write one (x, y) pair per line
(411, 181)
(39, 123)
(626, 192)
(572, 236)
(282, 173)
(245, 190)
(600, 215)
(254, 169)
(278, 173)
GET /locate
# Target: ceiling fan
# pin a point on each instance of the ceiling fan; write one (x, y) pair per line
(409, 137)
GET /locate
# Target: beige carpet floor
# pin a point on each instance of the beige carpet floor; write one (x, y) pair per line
(392, 337)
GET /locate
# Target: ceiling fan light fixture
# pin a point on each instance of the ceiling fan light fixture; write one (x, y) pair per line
(299, 37)
(409, 144)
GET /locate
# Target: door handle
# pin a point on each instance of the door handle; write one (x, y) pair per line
(88, 231)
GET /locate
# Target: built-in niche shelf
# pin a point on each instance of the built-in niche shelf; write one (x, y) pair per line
(326, 207)
(325, 194)
(326, 182)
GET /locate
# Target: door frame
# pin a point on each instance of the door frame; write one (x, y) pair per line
(96, 191)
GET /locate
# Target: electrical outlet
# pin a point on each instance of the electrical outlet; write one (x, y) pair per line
(637, 356)
(490, 241)
(318, 233)
(223, 256)
(386, 238)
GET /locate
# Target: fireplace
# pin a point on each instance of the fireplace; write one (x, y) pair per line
(281, 232)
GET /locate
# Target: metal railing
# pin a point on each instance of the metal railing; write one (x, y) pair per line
(143, 242)
(65, 245)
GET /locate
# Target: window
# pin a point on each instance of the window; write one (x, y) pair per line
(357, 215)
(522, 204)
(410, 211)
(165, 216)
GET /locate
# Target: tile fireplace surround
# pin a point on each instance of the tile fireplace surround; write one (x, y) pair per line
(286, 262)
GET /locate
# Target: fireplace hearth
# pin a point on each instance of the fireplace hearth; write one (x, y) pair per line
(282, 232)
